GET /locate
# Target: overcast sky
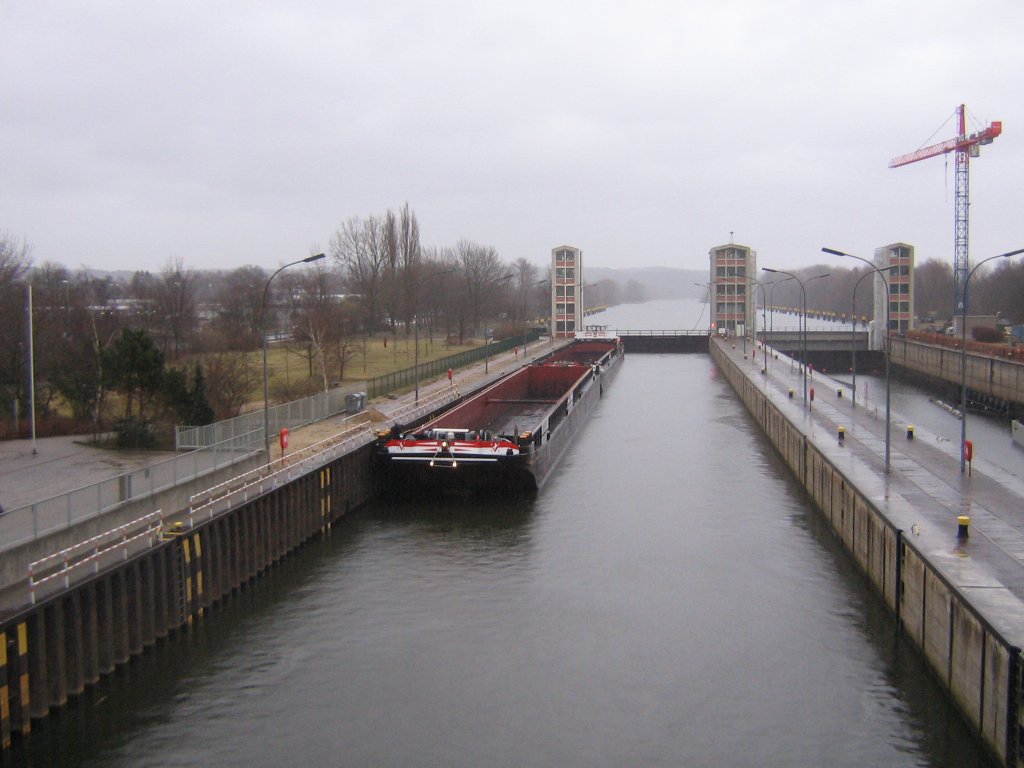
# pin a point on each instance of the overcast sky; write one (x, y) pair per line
(231, 133)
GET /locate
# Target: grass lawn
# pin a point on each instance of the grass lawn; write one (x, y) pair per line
(287, 364)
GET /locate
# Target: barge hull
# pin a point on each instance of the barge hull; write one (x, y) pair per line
(509, 436)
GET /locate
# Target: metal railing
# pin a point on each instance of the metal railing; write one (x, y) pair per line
(220, 498)
(64, 510)
(219, 445)
(645, 332)
(389, 382)
(116, 545)
(60, 569)
(296, 413)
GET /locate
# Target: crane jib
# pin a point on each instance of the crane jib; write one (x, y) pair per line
(974, 140)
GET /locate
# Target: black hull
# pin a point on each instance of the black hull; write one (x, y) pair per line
(552, 434)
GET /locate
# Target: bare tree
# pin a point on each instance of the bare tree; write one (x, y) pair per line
(15, 261)
(933, 289)
(231, 377)
(409, 258)
(480, 270)
(15, 258)
(999, 291)
(175, 305)
(359, 248)
(240, 303)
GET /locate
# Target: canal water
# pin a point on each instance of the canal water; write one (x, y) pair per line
(668, 599)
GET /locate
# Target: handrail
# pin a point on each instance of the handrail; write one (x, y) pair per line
(61, 564)
(208, 503)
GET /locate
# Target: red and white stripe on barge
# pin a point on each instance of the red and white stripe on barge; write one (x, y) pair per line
(510, 435)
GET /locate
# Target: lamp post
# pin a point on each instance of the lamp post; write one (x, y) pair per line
(526, 300)
(803, 312)
(885, 338)
(853, 333)
(416, 327)
(963, 356)
(753, 317)
(487, 335)
(771, 300)
(266, 379)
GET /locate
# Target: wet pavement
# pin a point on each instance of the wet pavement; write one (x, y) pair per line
(60, 465)
(924, 492)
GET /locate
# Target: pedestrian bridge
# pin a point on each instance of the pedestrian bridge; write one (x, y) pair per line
(788, 341)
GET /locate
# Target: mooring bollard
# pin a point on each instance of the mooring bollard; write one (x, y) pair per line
(790, 393)
(963, 522)
(910, 431)
(839, 393)
(842, 433)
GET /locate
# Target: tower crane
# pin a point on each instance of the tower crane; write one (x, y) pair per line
(965, 146)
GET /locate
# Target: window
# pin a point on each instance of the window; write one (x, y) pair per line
(560, 291)
(570, 272)
(559, 273)
(570, 291)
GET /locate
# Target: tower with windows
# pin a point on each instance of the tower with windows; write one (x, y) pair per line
(566, 291)
(901, 287)
(732, 300)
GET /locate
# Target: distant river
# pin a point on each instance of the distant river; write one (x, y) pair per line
(668, 599)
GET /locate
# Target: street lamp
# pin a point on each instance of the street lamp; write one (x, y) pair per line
(526, 300)
(266, 379)
(963, 356)
(888, 303)
(753, 317)
(771, 300)
(487, 336)
(803, 300)
(416, 326)
(853, 332)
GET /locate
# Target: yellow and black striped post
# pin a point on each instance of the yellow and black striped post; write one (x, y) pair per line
(197, 570)
(325, 498)
(14, 684)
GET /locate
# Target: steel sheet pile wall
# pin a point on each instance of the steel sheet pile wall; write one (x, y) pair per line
(57, 648)
(978, 666)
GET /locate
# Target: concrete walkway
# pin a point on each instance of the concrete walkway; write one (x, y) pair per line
(924, 491)
(61, 464)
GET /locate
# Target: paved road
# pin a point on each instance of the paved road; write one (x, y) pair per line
(924, 492)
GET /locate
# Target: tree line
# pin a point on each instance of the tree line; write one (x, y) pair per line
(378, 279)
(995, 289)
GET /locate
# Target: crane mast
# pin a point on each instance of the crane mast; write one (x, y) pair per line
(965, 146)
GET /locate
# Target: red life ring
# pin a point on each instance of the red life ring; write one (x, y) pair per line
(968, 450)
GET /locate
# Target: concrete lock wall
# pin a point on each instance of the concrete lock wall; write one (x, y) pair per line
(56, 649)
(977, 666)
(988, 375)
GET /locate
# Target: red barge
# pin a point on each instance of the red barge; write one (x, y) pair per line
(509, 435)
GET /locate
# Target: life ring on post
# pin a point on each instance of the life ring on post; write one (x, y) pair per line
(968, 450)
